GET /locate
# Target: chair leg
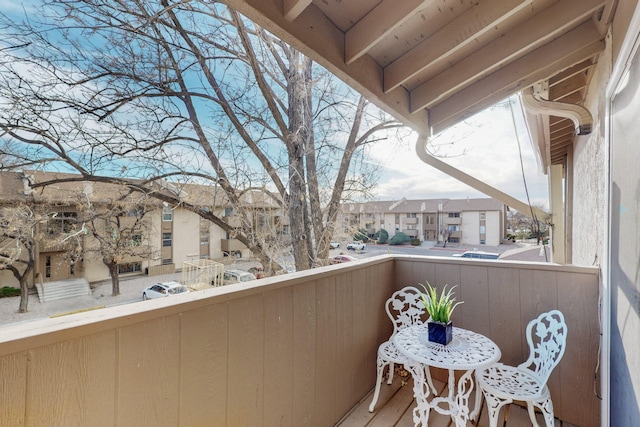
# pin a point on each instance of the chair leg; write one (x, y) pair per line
(392, 368)
(381, 364)
(494, 404)
(546, 407)
(532, 414)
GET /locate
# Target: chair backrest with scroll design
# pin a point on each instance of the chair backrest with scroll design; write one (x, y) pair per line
(405, 308)
(547, 338)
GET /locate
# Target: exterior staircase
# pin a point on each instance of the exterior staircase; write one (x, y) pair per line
(63, 289)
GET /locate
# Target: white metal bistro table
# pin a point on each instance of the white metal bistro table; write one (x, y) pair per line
(467, 351)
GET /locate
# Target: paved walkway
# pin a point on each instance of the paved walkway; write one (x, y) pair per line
(130, 291)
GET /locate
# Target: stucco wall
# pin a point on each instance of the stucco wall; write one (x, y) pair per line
(589, 176)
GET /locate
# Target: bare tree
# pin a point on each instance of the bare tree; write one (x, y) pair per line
(530, 226)
(120, 230)
(184, 91)
(22, 227)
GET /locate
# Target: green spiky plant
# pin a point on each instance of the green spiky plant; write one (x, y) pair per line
(439, 307)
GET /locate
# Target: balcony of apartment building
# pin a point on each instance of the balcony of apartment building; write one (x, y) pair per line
(410, 220)
(453, 220)
(292, 350)
(231, 245)
(457, 234)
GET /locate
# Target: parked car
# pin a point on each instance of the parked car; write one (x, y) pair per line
(161, 290)
(334, 245)
(257, 271)
(356, 246)
(339, 259)
(477, 254)
(237, 276)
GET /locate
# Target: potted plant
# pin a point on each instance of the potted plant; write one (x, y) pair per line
(440, 307)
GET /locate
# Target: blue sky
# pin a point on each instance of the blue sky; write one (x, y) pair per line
(484, 147)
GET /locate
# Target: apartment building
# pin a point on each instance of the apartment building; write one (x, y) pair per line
(166, 238)
(458, 221)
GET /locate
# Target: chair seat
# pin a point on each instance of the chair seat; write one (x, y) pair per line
(506, 381)
(388, 351)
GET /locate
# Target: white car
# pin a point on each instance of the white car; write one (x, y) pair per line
(356, 246)
(477, 254)
(237, 276)
(161, 290)
(334, 245)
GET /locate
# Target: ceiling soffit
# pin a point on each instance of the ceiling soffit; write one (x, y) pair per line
(434, 63)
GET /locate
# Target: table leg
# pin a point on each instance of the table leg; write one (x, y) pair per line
(421, 392)
(465, 387)
(478, 401)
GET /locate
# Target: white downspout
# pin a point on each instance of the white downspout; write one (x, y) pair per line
(524, 208)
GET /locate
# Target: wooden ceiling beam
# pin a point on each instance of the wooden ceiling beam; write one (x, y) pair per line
(293, 8)
(561, 147)
(463, 30)
(563, 52)
(576, 97)
(376, 25)
(561, 127)
(542, 28)
(570, 72)
(567, 87)
(315, 35)
(565, 133)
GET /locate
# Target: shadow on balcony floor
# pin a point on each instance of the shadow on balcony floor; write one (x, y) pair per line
(395, 407)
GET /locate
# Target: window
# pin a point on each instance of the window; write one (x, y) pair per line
(483, 216)
(204, 232)
(483, 229)
(453, 227)
(410, 227)
(130, 267)
(47, 266)
(167, 214)
(166, 240)
(62, 222)
(411, 215)
(167, 261)
(228, 212)
(454, 214)
(136, 239)
(430, 219)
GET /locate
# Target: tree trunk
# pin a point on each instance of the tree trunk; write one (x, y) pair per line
(115, 277)
(295, 141)
(24, 294)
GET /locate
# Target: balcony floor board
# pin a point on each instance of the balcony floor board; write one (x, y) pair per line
(395, 406)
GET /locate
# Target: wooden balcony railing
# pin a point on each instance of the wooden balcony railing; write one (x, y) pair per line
(294, 350)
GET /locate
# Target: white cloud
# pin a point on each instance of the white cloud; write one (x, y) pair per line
(485, 147)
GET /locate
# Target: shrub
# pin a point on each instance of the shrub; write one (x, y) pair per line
(382, 236)
(7, 291)
(415, 242)
(361, 236)
(399, 238)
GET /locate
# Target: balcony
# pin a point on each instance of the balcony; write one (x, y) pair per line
(231, 245)
(294, 350)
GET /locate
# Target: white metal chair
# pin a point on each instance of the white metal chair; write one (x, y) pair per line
(404, 308)
(502, 384)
